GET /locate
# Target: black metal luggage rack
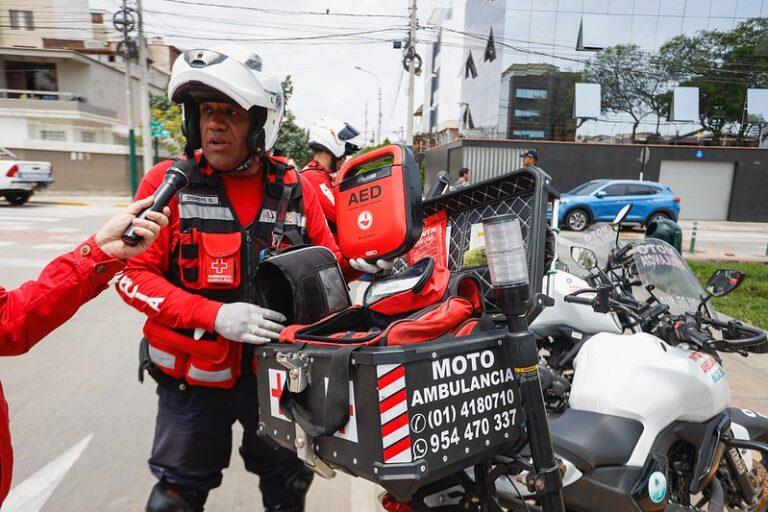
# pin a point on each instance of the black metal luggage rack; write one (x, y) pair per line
(524, 192)
(418, 413)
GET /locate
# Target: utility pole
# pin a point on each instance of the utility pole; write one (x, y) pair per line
(124, 21)
(411, 51)
(146, 136)
(378, 85)
(378, 125)
(365, 123)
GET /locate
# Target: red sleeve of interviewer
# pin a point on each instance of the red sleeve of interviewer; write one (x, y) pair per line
(34, 309)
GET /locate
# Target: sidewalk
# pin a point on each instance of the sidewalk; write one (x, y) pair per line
(722, 225)
(80, 199)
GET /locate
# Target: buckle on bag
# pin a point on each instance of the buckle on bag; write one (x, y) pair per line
(298, 370)
(305, 451)
(298, 379)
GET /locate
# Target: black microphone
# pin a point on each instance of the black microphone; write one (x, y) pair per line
(175, 179)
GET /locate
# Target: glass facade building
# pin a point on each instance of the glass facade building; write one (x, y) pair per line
(548, 32)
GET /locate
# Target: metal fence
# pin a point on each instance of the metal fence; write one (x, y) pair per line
(484, 162)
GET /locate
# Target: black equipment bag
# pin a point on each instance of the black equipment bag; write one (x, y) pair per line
(412, 414)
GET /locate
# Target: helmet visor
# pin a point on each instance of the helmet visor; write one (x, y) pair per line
(348, 135)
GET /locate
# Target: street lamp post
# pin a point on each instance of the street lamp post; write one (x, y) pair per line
(378, 84)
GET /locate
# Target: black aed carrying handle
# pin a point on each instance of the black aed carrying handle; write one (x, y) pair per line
(336, 404)
(396, 152)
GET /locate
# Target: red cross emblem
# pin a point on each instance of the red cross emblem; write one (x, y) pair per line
(220, 266)
(351, 414)
(277, 391)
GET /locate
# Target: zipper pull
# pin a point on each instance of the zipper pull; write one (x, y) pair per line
(248, 235)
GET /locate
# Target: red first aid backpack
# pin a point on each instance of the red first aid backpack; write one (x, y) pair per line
(420, 304)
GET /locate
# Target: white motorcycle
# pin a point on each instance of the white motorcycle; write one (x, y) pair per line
(563, 328)
(650, 427)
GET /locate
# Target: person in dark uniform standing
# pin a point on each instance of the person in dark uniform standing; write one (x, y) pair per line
(531, 159)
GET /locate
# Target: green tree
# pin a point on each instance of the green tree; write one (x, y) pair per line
(722, 65)
(168, 113)
(292, 139)
(628, 83)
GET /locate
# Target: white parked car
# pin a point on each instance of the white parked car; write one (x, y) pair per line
(19, 179)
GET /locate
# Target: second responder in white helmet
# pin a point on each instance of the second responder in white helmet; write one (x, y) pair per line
(336, 138)
(201, 78)
(332, 141)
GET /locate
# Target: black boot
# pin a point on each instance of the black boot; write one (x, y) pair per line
(167, 498)
(295, 486)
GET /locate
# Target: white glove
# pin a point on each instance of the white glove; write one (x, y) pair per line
(247, 323)
(381, 266)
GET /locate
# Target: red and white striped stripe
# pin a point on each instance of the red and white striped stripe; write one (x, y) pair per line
(393, 407)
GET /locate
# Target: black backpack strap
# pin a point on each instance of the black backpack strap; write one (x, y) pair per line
(278, 232)
(336, 403)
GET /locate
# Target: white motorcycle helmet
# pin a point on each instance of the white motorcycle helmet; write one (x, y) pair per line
(336, 137)
(207, 75)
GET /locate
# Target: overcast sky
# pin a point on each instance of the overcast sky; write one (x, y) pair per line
(323, 70)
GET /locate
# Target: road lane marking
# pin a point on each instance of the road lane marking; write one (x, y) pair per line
(32, 494)
(23, 263)
(28, 218)
(56, 247)
(62, 230)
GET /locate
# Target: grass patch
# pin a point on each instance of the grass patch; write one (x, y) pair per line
(750, 301)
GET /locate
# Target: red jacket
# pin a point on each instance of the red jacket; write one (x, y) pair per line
(150, 291)
(320, 178)
(30, 312)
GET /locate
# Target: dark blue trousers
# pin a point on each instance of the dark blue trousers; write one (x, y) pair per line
(193, 442)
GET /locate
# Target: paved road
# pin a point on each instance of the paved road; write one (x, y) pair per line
(81, 382)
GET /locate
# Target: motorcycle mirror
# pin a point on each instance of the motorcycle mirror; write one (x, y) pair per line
(622, 215)
(585, 258)
(724, 281)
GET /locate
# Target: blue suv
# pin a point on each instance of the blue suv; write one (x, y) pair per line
(601, 200)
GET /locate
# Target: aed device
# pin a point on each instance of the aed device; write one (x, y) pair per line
(378, 204)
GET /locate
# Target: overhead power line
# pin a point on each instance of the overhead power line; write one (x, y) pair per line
(282, 11)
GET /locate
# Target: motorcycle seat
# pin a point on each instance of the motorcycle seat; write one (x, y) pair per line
(590, 440)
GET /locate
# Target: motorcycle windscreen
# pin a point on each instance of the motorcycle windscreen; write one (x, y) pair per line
(657, 263)
(601, 238)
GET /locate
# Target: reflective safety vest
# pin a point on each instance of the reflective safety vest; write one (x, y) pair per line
(216, 257)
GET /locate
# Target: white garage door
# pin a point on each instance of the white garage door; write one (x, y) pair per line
(704, 187)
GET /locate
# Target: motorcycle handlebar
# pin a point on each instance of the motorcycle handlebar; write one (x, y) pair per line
(578, 300)
(696, 335)
(754, 336)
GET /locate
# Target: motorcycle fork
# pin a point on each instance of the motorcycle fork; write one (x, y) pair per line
(740, 474)
(738, 469)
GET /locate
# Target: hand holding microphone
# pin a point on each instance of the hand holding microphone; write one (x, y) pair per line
(175, 179)
(110, 237)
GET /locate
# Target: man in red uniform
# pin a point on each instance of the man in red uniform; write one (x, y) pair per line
(195, 285)
(332, 142)
(29, 313)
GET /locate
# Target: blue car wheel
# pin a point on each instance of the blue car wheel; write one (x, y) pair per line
(577, 220)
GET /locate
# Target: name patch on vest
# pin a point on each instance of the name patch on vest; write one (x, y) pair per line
(195, 199)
